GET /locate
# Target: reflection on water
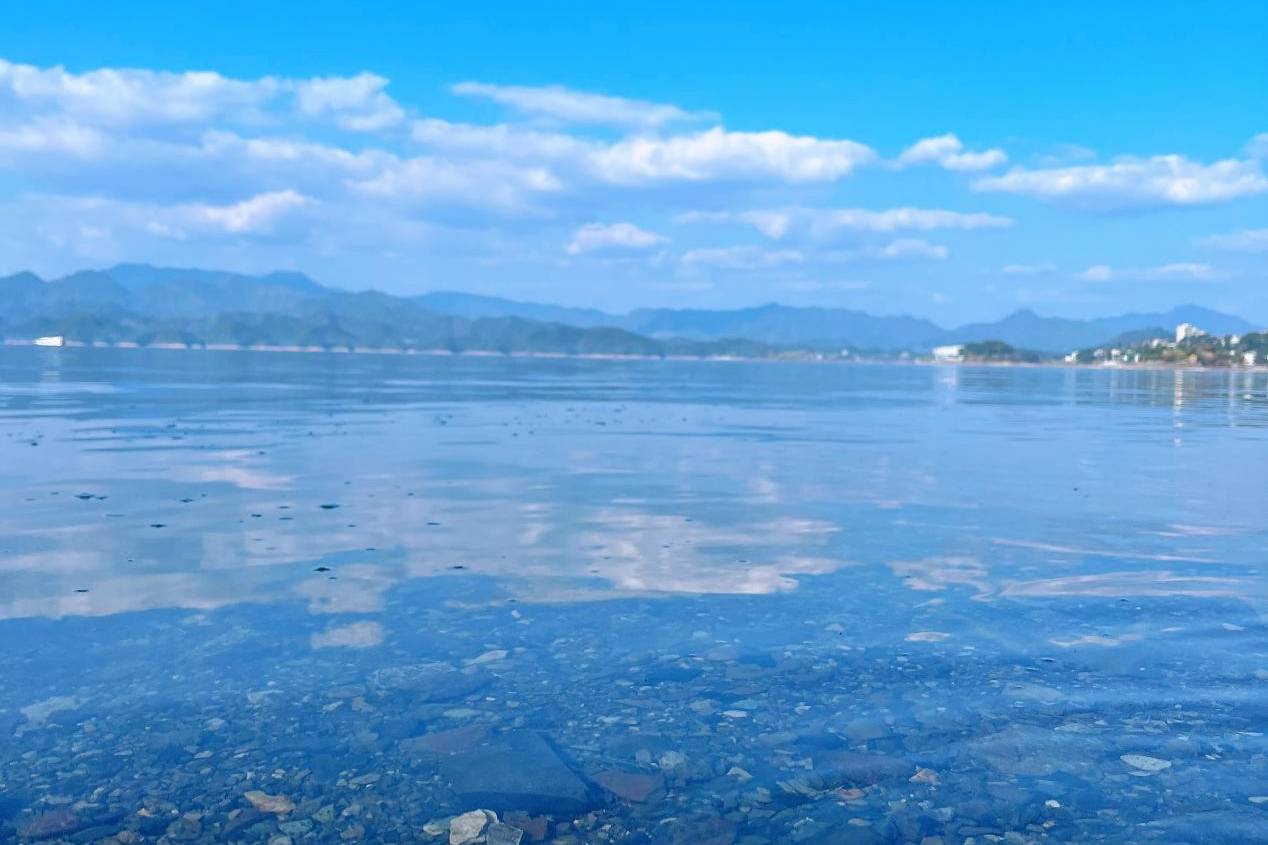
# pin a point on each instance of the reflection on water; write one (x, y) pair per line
(628, 601)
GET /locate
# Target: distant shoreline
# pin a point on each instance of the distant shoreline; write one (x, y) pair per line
(607, 356)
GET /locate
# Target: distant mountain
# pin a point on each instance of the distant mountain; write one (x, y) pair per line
(1057, 334)
(138, 300)
(832, 328)
(148, 305)
(835, 328)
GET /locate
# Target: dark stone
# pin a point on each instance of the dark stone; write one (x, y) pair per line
(535, 826)
(53, 823)
(503, 834)
(703, 830)
(630, 786)
(444, 743)
(426, 682)
(518, 771)
(243, 820)
(850, 769)
(102, 828)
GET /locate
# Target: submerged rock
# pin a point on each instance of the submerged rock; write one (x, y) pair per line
(518, 771)
(503, 834)
(265, 803)
(47, 825)
(469, 827)
(427, 682)
(845, 768)
(630, 786)
(443, 743)
(1145, 763)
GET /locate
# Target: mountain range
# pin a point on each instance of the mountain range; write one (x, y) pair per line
(835, 328)
(141, 303)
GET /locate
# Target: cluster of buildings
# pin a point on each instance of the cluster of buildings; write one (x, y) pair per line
(1191, 345)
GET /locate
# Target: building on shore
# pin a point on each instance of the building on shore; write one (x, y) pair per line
(1185, 331)
(50, 340)
(948, 354)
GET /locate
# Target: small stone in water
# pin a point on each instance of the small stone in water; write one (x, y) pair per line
(266, 803)
(503, 834)
(1144, 763)
(488, 657)
(672, 760)
(928, 776)
(469, 826)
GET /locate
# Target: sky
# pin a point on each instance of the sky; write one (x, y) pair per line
(950, 161)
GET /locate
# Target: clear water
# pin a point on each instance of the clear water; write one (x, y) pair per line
(628, 601)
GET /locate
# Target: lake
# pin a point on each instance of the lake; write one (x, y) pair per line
(301, 598)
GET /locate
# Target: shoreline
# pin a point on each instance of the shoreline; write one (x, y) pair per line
(609, 356)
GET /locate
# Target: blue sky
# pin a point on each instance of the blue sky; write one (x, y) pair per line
(955, 161)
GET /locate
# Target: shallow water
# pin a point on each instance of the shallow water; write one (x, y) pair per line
(628, 601)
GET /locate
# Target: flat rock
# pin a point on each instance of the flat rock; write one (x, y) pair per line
(630, 786)
(535, 826)
(503, 834)
(53, 823)
(427, 682)
(1145, 763)
(517, 771)
(846, 768)
(703, 830)
(444, 743)
(265, 803)
(469, 827)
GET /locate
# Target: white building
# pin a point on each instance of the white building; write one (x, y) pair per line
(1250, 358)
(50, 340)
(1184, 331)
(953, 352)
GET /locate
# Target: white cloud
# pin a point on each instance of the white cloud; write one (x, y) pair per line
(1134, 183)
(359, 103)
(823, 223)
(55, 136)
(486, 184)
(947, 151)
(1177, 271)
(719, 155)
(255, 215)
(111, 95)
(568, 106)
(1028, 269)
(499, 139)
(1243, 240)
(121, 97)
(1258, 146)
(615, 237)
(900, 249)
(1096, 273)
(741, 258)
(912, 248)
(748, 257)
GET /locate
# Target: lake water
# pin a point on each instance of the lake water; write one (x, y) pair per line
(250, 597)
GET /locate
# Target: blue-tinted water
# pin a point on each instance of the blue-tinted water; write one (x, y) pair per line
(336, 598)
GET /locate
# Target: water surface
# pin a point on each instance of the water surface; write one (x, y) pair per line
(628, 601)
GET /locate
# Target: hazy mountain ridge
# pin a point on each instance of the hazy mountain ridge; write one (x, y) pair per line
(146, 305)
(841, 327)
(134, 301)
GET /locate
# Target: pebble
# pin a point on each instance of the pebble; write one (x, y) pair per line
(1144, 763)
(469, 827)
(265, 803)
